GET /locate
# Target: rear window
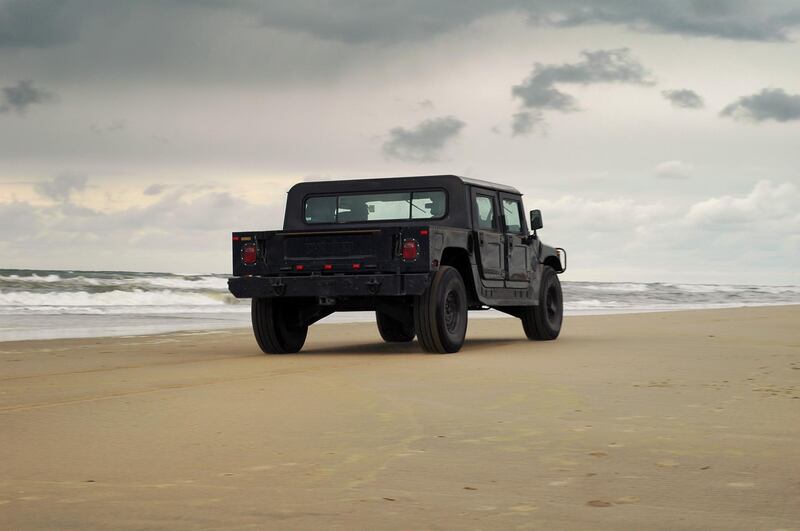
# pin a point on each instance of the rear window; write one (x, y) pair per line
(354, 208)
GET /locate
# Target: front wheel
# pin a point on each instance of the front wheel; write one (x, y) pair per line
(440, 313)
(276, 326)
(543, 322)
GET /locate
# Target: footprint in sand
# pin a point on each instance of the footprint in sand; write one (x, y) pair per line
(741, 485)
(667, 463)
(599, 503)
(260, 468)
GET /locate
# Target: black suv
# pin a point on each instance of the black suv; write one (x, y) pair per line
(419, 251)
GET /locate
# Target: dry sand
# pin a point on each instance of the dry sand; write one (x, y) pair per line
(685, 420)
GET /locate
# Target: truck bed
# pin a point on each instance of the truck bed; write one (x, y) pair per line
(346, 251)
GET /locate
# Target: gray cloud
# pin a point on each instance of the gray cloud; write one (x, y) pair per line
(735, 20)
(280, 43)
(19, 97)
(359, 21)
(61, 187)
(116, 126)
(523, 122)
(36, 23)
(154, 189)
(388, 21)
(684, 98)
(49, 23)
(769, 104)
(539, 91)
(425, 141)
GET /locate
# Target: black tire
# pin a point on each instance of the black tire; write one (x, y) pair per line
(543, 322)
(440, 313)
(394, 331)
(273, 329)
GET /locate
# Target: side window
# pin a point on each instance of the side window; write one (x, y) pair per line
(486, 217)
(320, 209)
(428, 205)
(511, 212)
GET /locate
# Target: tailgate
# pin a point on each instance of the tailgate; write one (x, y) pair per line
(330, 251)
(365, 245)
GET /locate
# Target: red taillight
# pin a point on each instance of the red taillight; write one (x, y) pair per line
(299, 267)
(249, 254)
(423, 232)
(409, 250)
(356, 266)
(327, 267)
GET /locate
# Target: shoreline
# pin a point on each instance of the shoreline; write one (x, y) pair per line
(205, 322)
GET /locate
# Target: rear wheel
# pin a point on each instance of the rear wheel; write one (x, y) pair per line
(543, 322)
(440, 313)
(394, 331)
(275, 325)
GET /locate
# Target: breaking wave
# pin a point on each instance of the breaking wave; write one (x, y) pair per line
(120, 292)
(114, 293)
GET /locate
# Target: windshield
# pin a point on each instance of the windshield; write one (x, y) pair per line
(354, 208)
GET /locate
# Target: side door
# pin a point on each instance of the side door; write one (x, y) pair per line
(488, 235)
(517, 250)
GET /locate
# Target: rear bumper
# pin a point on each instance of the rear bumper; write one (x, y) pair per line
(392, 285)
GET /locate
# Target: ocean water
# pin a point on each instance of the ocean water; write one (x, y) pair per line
(58, 304)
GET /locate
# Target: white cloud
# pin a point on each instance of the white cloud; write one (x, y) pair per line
(768, 205)
(181, 231)
(723, 238)
(732, 237)
(621, 214)
(674, 169)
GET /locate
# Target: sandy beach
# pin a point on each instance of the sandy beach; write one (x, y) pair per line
(681, 420)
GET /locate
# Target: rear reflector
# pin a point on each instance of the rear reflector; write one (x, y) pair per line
(249, 254)
(409, 250)
(423, 232)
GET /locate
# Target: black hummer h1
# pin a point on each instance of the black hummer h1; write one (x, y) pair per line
(419, 251)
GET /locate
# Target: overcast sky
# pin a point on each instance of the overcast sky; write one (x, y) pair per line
(661, 140)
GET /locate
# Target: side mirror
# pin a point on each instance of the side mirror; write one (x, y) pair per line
(536, 219)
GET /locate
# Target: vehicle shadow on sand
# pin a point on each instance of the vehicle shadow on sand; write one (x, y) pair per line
(412, 347)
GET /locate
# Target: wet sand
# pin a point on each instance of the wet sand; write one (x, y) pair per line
(684, 420)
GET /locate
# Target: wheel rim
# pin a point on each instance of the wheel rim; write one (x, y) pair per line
(552, 304)
(452, 311)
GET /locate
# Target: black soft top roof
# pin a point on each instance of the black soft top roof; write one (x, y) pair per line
(457, 188)
(353, 185)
